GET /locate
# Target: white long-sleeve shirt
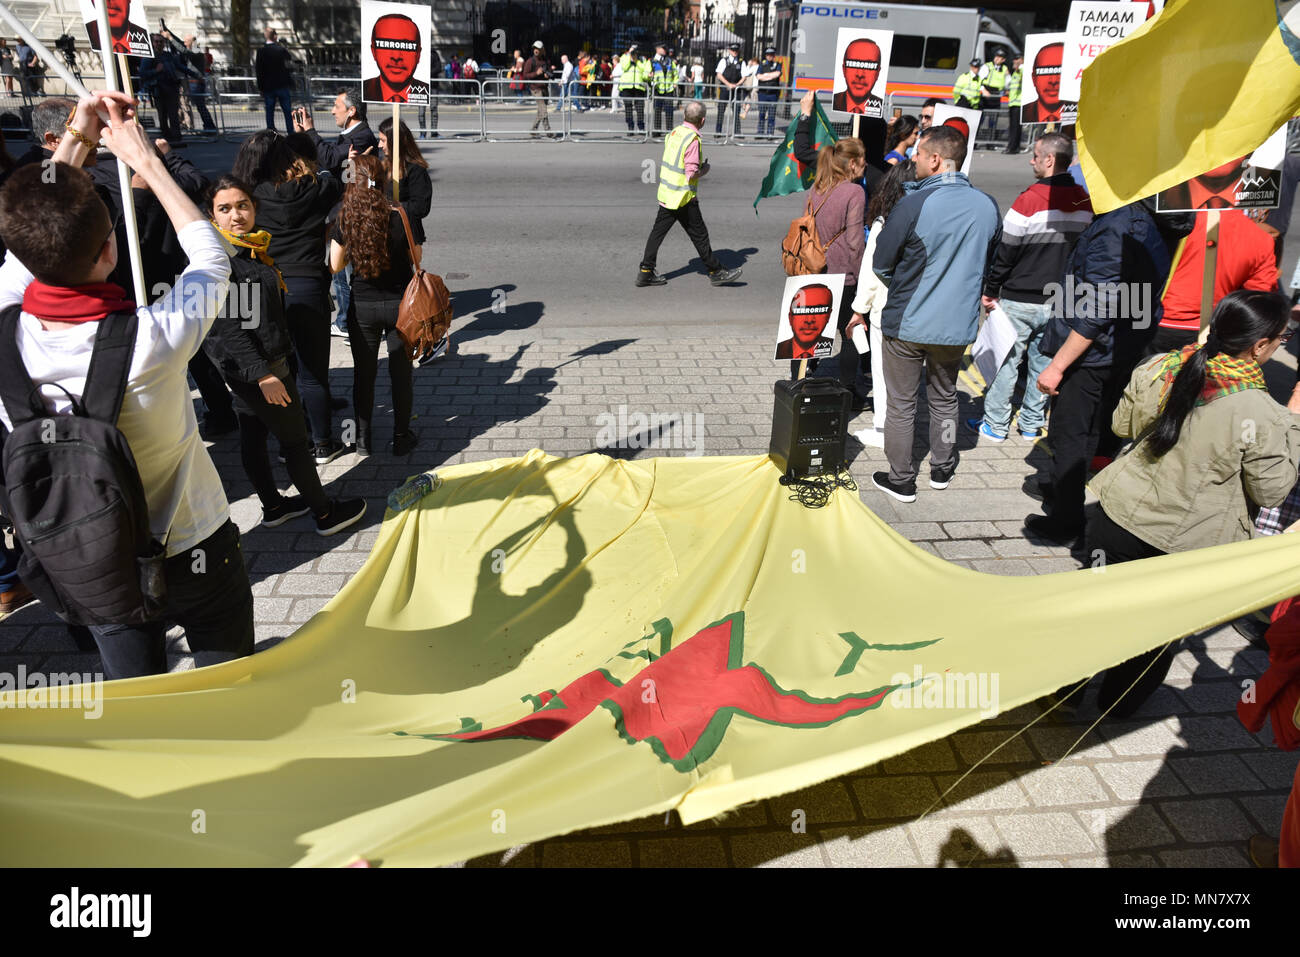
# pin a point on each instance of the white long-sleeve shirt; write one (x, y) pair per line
(186, 501)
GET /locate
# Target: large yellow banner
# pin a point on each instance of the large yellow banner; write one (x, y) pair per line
(543, 645)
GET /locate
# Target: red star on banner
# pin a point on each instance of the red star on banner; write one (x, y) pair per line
(681, 703)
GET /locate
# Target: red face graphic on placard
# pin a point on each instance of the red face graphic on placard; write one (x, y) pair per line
(810, 311)
(861, 67)
(395, 43)
(960, 125)
(1047, 75)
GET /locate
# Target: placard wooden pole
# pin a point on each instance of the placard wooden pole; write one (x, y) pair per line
(803, 369)
(856, 119)
(111, 82)
(395, 151)
(1207, 276)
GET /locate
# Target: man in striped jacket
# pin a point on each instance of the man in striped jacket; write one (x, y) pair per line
(1038, 233)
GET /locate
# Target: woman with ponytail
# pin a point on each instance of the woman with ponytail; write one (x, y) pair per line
(1210, 448)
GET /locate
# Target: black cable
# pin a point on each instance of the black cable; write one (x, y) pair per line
(816, 492)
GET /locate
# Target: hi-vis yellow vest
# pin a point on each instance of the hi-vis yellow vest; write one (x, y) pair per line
(634, 77)
(675, 190)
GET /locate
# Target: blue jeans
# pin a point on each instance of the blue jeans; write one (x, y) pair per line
(343, 296)
(1030, 319)
(281, 96)
(766, 116)
(8, 566)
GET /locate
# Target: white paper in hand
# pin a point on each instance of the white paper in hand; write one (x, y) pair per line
(995, 340)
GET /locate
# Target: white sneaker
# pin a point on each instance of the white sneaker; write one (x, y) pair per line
(871, 438)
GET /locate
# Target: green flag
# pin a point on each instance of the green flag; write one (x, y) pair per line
(786, 174)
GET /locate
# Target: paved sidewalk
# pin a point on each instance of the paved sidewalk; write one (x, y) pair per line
(1183, 784)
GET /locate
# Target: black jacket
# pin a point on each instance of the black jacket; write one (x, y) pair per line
(247, 348)
(272, 68)
(1124, 252)
(332, 156)
(294, 213)
(416, 196)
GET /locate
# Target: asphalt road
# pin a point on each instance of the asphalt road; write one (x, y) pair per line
(552, 233)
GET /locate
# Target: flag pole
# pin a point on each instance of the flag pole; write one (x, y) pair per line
(124, 175)
(1208, 275)
(123, 172)
(394, 151)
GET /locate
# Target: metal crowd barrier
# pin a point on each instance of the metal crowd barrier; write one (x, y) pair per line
(783, 109)
(607, 120)
(516, 118)
(455, 110)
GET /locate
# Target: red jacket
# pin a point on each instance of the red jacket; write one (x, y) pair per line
(1277, 693)
(1245, 261)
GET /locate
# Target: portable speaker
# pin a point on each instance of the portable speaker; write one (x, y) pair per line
(810, 426)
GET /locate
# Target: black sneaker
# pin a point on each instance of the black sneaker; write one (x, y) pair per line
(343, 513)
(721, 277)
(940, 478)
(1045, 527)
(405, 443)
(328, 452)
(648, 277)
(904, 493)
(284, 510)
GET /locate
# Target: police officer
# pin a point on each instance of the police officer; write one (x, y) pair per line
(993, 79)
(728, 76)
(1014, 85)
(680, 170)
(769, 92)
(632, 88)
(966, 91)
(664, 80)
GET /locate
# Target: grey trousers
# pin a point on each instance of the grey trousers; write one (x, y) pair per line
(904, 365)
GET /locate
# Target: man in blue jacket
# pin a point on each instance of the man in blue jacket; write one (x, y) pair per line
(933, 253)
(1105, 312)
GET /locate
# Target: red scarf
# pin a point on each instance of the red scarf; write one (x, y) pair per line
(88, 303)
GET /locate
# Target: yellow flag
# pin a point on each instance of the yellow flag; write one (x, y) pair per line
(542, 645)
(1198, 86)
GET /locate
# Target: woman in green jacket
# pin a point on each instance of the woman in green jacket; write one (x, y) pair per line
(1212, 447)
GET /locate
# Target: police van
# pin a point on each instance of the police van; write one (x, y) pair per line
(931, 44)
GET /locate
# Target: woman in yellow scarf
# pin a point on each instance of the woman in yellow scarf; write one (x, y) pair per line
(250, 344)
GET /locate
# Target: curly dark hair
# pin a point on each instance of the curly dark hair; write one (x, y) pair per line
(364, 216)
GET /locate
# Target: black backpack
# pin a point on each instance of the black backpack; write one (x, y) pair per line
(72, 490)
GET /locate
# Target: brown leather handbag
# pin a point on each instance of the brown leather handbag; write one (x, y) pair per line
(424, 316)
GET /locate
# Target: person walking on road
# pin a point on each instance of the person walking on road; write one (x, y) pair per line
(680, 171)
